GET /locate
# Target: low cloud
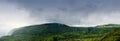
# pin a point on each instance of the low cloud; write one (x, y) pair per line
(12, 17)
(72, 12)
(17, 13)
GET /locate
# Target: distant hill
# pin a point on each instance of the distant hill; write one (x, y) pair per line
(57, 32)
(50, 28)
(109, 25)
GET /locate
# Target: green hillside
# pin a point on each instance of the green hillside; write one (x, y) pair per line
(113, 35)
(59, 32)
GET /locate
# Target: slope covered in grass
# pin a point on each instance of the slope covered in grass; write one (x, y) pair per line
(58, 32)
(113, 35)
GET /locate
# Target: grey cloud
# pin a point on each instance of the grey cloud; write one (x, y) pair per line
(17, 13)
(12, 17)
(70, 11)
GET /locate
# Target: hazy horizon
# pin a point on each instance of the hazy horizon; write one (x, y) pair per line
(19, 13)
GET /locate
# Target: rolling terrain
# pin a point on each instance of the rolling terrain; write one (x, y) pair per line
(62, 32)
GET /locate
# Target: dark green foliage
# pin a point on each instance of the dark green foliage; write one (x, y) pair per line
(52, 28)
(58, 32)
(113, 35)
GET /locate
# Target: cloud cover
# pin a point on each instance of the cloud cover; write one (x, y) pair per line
(11, 17)
(73, 12)
(17, 13)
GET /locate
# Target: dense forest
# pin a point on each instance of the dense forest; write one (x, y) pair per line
(62, 32)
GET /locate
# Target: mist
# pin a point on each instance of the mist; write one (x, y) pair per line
(72, 12)
(12, 17)
(19, 13)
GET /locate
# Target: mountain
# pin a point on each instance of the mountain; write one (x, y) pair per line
(109, 25)
(49, 28)
(57, 32)
(43, 32)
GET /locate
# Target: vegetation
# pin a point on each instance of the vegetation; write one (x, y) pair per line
(61, 32)
(114, 35)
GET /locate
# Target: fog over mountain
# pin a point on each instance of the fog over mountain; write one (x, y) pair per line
(18, 13)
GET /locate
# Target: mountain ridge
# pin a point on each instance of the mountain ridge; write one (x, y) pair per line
(56, 32)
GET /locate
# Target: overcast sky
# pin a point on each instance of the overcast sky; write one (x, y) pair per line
(18, 13)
